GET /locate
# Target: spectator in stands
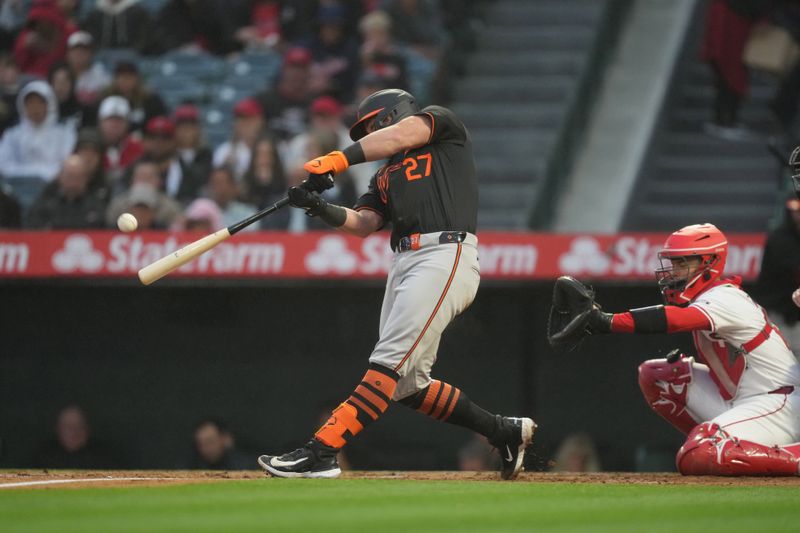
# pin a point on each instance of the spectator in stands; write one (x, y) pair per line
(202, 216)
(121, 148)
(780, 275)
(145, 104)
(728, 25)
(145, 195)
(191, 145)
(285, 105)
(119, 24)
(43, 42)
(67, 203)
(10, 210)
(69, 10)
(90, 148)
(577, 453)
(335, 54)
(418, 24)
(265, 182)
(215, 448)
(73, 447)
(180, 182)
(9, 89)
(70, 111)
(223, 189)
(91, 77)
(38, 145)
(262, 29)
(380, 56)
(194, 25)
(248, 124)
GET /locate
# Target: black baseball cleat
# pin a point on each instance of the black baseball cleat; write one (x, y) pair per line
(517, 435)
(312, 460)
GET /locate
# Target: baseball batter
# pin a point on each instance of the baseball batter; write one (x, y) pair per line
(428, 192)
(741, 409)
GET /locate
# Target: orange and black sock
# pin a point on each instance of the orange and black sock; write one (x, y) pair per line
(447, 403)
(369, 401)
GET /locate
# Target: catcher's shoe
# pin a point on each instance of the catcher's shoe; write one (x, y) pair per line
(312, 460)
(517, 436)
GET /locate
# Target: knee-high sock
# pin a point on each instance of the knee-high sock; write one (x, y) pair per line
(364, 406)
(447, 403)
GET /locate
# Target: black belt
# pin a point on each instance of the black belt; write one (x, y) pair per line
(412, 242)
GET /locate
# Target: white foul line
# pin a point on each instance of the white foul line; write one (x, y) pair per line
(87, 480)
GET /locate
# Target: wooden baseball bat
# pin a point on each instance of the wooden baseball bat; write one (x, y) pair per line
(160, 268)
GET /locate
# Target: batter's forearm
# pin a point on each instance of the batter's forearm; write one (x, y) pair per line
(360, 223)
(411, 132)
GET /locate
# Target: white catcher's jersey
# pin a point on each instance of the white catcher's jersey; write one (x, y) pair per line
(735, 321)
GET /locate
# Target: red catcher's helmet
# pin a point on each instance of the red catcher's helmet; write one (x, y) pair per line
(699, 240)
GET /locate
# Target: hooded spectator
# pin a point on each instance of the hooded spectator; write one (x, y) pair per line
(121, 147)
(145, 194)
(248, 124)
(285, 104)
(145, 104)
(191, 145)
(119, 24)
(38, 145)
(67, 203)
(43, 42)
(91, 77)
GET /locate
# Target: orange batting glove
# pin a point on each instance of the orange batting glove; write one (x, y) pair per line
(334, 163)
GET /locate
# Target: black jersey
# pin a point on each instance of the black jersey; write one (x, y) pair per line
(431, 188)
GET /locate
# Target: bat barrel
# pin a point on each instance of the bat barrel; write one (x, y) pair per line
(157, 270)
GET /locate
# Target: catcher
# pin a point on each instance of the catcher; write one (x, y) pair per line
(741, 409)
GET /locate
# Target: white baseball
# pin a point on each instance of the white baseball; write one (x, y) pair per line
(127, 222)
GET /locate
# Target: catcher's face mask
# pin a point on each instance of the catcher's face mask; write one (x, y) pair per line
(678, 273)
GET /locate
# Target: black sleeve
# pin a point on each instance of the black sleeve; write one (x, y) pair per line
(445, 125)
(374, 199)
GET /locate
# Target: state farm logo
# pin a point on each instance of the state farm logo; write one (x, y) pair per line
(584, 257)
(332, 255)
(78, 254)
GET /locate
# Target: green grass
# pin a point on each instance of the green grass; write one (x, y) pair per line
(378, 505)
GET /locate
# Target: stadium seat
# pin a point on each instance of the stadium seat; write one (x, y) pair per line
(197, 65)
(109, 57)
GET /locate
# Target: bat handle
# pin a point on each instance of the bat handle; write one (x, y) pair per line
(234, 228)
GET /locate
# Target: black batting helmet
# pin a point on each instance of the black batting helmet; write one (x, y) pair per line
(387, 107)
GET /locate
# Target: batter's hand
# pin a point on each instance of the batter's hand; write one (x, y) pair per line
(796, 297)
(318, 182)
(332, 163)
(304, 199)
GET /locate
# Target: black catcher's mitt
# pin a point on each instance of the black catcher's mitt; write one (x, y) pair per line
(574, 314)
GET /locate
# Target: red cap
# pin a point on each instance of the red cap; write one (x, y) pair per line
(326, 105)
(186, 113)
(160, 125)
(297, 56)
(249, 107)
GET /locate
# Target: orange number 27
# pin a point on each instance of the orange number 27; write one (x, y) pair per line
(414, 163)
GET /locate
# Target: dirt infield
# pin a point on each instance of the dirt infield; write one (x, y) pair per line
(43, 479)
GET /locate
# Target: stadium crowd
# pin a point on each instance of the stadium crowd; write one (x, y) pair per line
(107, 107)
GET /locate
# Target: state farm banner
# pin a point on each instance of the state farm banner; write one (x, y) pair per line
(503, 255)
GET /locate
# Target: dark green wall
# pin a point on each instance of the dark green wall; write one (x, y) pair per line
(147, 363)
